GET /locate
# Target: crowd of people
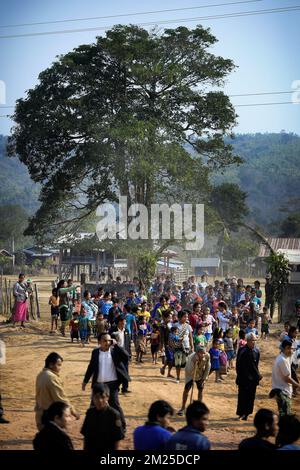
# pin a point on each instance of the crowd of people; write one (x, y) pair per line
(198, 328)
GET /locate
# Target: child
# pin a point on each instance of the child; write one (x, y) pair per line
(208, 321)
(199, 337)
(154, 340)
(101, 324)
(54, 302)
(83, 326)
(242, 339)
(285, 331)
(229, 348)
(143, 329)
(218, 336)
(176, 350)
(251, 328)
(144, 311)
(102, 428)
(74, 327)
(265, 322)
(235, 333)
(215, 360)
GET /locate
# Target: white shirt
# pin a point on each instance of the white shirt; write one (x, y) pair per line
(223, 321)
(186, 338)
(121, 340)
(210, 320)
(282, 368)
(107, 370)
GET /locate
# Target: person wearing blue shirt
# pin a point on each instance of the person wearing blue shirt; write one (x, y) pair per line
(89, 306)
(190, 437)
(251, 328)
(154, 435)
(105, 304)
(130, 320)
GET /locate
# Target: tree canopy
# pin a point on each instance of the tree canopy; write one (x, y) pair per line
(114, 118)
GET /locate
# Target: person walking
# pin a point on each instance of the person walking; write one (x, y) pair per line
(49, 388)
(248, 376)
(196, 371)
(108, 365)
(282, 381)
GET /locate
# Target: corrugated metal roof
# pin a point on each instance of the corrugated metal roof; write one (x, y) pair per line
(279, 244)
(205, 262)
(292, 255)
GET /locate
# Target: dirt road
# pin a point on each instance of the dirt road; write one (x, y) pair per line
(26, 351)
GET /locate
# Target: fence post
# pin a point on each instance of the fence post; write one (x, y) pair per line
(37, 301)
(6, 298)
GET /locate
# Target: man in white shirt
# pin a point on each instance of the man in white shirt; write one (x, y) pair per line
(108, 365)
(282, 382)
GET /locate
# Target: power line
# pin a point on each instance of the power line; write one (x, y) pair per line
(262, 93)
(263, 104)
(229, 96)
(127, 14)
(154, 23)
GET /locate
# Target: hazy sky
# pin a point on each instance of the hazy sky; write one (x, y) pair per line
(265, 48)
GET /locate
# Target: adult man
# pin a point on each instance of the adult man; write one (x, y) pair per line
(108, 365)
(282, 382)
(269, 295)
(122, 335)
(266, 424)
(196, 370)
(247, 377)
(154, 434)
(190, 437)
(49, 388)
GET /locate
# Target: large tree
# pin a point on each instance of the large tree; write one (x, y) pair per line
(121, 116)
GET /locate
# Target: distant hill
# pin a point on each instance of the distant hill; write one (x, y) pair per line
(16, 187)
(270, 174)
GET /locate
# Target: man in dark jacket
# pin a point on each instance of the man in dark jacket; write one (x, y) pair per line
(247, 377)
(122, 335)
(108, 365)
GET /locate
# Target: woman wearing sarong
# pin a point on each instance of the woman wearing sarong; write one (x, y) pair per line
(21, 295)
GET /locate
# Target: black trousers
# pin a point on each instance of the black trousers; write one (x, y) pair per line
(125, 382)
(246, 397)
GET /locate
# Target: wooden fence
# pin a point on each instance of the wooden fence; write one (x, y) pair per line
(7, 299)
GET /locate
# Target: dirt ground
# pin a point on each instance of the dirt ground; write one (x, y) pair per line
(26, 351)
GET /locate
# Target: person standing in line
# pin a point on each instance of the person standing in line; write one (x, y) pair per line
(248, 377)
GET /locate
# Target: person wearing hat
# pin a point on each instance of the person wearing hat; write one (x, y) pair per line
(196, 371)
(269, 295)
(122, 336)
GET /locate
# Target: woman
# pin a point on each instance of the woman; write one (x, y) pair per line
(64, 305)
(53, 436)
(21, 295)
